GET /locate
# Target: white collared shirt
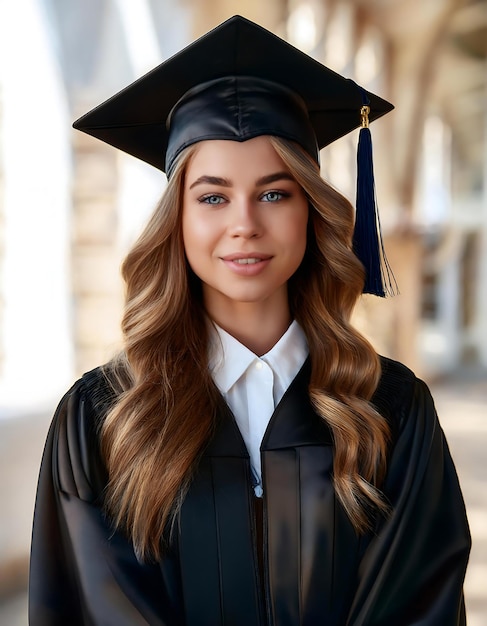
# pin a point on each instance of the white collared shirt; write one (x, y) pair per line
(253, 386)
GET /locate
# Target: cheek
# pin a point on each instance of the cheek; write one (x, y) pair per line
(193, 228)
(199, 239)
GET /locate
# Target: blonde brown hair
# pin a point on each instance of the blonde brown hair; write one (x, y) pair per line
(152, 437)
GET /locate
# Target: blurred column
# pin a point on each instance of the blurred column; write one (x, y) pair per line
(95, 259)
(2, 228)
(34, 280)
(113, 192)
(97, 289)
(482, 290)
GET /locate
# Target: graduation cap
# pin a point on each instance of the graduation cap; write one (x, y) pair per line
(241, 81)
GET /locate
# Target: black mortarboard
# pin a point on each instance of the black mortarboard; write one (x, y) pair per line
(236, 82)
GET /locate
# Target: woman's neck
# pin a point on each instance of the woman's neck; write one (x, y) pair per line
(254, 326)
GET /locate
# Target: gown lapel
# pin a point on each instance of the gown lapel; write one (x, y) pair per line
(302, 524)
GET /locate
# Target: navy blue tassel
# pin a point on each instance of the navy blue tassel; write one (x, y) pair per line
(367, 238)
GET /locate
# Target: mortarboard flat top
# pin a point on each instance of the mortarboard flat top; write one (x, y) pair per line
(134, 120)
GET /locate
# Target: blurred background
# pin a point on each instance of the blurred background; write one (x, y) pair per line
(70, 206)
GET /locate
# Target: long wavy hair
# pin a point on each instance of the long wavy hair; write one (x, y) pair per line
(152, 437)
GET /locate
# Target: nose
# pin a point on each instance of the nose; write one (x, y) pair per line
(244, 219)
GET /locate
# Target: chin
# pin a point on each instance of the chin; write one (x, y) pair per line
(256, 298)
(249, 299)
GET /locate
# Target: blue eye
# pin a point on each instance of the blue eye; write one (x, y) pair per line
(212, 199)
(273, 196)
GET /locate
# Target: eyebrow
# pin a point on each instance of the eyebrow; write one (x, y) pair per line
(224, 182)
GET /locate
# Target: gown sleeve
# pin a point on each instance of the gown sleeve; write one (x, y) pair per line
(412, 571)
(81, 571)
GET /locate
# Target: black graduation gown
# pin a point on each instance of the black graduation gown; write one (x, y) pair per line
(317, 571)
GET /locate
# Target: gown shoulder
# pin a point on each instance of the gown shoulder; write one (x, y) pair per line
(77, 466)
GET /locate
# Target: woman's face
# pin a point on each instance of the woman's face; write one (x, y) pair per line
(244, 222)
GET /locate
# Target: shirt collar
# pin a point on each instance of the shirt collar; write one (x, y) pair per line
(288, 355)
(229, 359)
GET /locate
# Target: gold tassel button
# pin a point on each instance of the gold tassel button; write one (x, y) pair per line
(364, 114)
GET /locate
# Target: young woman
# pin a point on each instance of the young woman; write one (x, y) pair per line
(248, 459)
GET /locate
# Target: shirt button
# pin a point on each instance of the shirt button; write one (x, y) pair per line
(258, 365)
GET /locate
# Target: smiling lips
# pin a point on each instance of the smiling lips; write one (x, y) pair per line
(246, 257)
(247, 261)
(246, 264)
